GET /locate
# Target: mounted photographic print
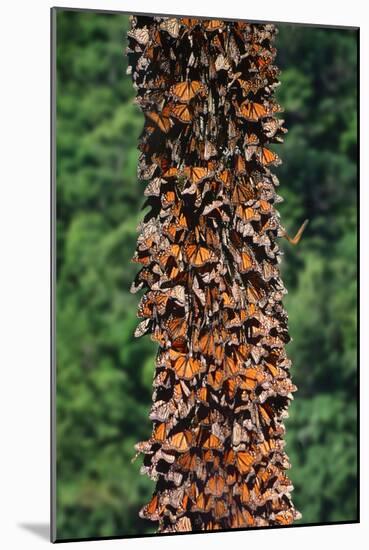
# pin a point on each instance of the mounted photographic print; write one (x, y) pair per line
(205, 184)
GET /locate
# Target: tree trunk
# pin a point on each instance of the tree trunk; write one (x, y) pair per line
(210, 271)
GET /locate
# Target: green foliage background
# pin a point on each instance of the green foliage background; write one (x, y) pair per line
(104, 375)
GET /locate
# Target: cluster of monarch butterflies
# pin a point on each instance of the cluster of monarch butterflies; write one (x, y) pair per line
(210, 273)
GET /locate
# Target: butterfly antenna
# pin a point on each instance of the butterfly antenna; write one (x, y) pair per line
(133, 459)
(296, 239)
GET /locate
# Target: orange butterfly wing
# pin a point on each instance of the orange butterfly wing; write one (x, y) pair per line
(214, 25)
(215, 486)
(180, 442)
(211, 442)
(252, 111)
(160, 432)
(267, 156)
(185, 91)
(244, 461)
(246, 262)
(187, 461)
(187, 367)
(181, 112)
(199, 255)
(162, 119)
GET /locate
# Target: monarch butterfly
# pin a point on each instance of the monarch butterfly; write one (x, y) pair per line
(239, 165)
(244, 461)
(206, 343)
(189, 23)
(170, 229)
(242, 26)
(230, 366)
(162, 120)
(215, 486)
(180, 391)
(265, 33)
(171, 172)
(153, 187)
(183, 524)
(185, 91)
(180, 442)
(140, 35)
(171, 26)
(172, 251)
(162, 410)
(178, 294)
(142, 328)
(151, 510)
(203, 503)
(207, 420)
(217, 42)
(218, 354)
(159, 432)
(251, 139)
(231, 476)
(186, 367)
(158, 336)
(264, 60)
(229, 457)
(211, 441)
(264, 156)
(176, 326)
(187, 461)
(285, 518)
(158, 83)
(266, 413)
(145, 307)
(209, 150)
(245, 262)
(250, 378)
(264, 206)
(141, 258)
(224, 177)
(252, 111)
(211, 297)
(247, 213)
(244, 493)
(253, 85)
(213, 25)
(222, 63)
(232, 319)
(207, 455)
(269, 72)
(234, 53)
(198, 255)
(272, 126)
(228, 300)
(272, 369)
(242, 352)
(231, 387)
(242, 192)
(196, 174)
(162, 379)
(253, 292)
(242, 518)
(146, 172)
(156, 39)
(181, 112)
(168, 198)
